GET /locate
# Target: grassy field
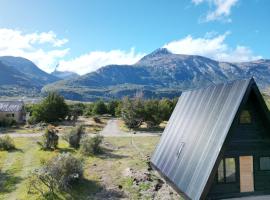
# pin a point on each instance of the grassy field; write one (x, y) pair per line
(63, 127)
(103, 174)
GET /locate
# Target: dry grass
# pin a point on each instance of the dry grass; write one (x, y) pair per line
(104, 173)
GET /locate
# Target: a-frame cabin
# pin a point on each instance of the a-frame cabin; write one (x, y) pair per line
(217, 143)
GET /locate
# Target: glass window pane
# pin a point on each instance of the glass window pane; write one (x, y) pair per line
(230, 170)
(265, 163)
(245, 117)
(221, 172)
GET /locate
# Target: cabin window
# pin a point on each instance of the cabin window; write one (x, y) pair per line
(264, 163)
(220, 175)
(181, 145)
(230, 169)
(245, 117)
(226, 171)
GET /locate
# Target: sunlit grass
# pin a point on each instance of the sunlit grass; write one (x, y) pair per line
(106, 168)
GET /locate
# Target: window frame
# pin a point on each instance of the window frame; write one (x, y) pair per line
(251, 117)
(224, 172)
(264, 170)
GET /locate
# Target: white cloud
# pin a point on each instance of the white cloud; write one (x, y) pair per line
(221, 11)
(30, 46)
(96, 59)
(213, 47)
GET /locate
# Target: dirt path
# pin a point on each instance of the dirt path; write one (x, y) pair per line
(112, 129)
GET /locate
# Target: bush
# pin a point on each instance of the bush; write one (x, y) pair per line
(75, 110)
(7, 122)
(99, 108)
(49, 139)
(74, 136)
(152, 115)
(6, 143)
(111, 107)
(58, 174)
(53, 108)
(91, 145)
(97, 120)
(31, 120)
(89, 110)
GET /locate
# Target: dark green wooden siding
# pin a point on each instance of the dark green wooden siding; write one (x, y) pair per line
(247, 139)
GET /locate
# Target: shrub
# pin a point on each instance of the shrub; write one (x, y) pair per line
(31, 120)
(99, 108)
(53, 108)
(111, 107)
(7, 122)
(49, 139)
(74, 136)
(152, 115)
(89, 110)
(58, 174)
(91, 145)
(75, 110)
(97, 120)
(6, 143)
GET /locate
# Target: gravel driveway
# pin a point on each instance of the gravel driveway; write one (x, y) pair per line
(112, 129)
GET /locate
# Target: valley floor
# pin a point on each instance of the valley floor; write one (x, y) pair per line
(121, 172)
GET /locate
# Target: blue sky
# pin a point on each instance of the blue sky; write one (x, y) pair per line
(84, 35)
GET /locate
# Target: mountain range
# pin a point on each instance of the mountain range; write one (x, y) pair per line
(21, 77)
(158, 74)
(64, 74)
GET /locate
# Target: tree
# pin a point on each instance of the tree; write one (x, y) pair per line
(152, 114)
(111, 107)
(53, 108)
(166, 108)
(132, 112)
(99, 108)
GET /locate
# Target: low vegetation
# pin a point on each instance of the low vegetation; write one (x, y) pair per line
(52, 109)
(74, 136)
(102, 175)
(152, 112)
(91, 145)
(7, 122)
(6, 143)
(58, 174)
(49, 139)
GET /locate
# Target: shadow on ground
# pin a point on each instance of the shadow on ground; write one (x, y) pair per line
(8, 182)
(107, 153)
(88, 189)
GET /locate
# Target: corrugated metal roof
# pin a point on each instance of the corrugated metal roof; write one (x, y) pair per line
(199, 125)
(11, 106)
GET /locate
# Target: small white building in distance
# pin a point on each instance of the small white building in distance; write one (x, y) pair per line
(12, 110)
